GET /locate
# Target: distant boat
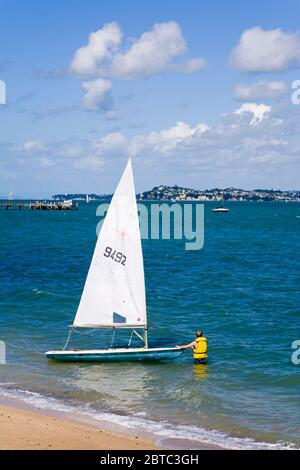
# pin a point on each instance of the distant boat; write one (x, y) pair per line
(221, 208)
(67, 203)
(114, 292)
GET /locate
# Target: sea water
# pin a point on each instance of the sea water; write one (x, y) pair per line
(241, 289)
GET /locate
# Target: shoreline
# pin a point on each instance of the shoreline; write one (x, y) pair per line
(28, 429)
(53, 425)
(57, 429)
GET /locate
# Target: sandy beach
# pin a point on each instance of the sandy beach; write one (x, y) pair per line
(22, 429)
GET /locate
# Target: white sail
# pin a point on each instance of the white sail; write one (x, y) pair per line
(114, 291)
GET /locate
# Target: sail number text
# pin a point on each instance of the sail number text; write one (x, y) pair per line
(115, 255)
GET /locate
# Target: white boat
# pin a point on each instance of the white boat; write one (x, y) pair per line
(67, 203)
(221, 208)
(114, 292)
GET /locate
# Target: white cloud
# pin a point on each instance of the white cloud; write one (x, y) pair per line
(249, 140)
(115, 115)
(153, 53)
(96, 95)
(149, 55)
(103, 60)
(33, 145)
(112, 144)
(165, 141)
(258, 112)
(46, 162)
(242, 148)
(101, 45)
(91, 162)
(260, 90)
(278, 142)
(266, 50)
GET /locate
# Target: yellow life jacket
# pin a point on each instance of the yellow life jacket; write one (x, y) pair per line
(200, 352)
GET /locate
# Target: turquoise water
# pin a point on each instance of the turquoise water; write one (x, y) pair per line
(242, 289)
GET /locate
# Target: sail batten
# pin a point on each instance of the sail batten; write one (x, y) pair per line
(114, 291)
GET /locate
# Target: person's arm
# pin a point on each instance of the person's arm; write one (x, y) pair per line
(187, 346)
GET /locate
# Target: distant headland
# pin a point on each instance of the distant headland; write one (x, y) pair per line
(79, 197)
(179, 193)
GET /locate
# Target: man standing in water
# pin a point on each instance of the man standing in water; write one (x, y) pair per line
(199, 346)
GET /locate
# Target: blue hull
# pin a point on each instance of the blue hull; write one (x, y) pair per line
(115, 355)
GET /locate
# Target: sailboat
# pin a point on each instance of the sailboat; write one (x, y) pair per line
(114, 292)
(221, 208)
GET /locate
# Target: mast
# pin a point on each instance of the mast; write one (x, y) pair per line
(146, 337)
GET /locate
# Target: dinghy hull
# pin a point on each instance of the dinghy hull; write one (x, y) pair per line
(115, 355)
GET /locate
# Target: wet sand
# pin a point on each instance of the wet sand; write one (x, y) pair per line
(27, 429)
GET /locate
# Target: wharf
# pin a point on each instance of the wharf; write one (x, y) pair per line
(40, 205)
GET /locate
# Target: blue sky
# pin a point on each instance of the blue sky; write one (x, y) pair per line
(198, 93)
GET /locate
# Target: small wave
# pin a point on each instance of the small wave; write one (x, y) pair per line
(38, 291)
(160, 431)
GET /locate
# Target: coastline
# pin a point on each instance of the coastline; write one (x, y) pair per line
(25, 425)
(30, 421)
(24, 429)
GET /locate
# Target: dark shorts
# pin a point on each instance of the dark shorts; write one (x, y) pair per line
(199, 361)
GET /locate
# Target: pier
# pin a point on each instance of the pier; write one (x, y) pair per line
(40, 205)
